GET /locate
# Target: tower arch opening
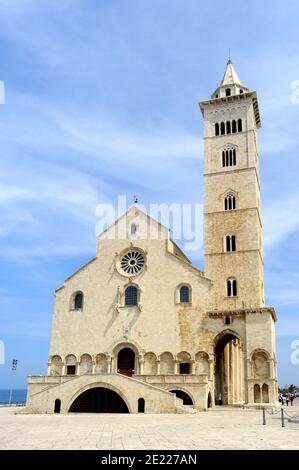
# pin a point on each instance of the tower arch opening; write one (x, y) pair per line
(229, 369)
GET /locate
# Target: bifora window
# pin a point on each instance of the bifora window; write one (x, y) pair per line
(132, 262)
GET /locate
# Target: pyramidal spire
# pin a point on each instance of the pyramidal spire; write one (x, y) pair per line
(230, 83)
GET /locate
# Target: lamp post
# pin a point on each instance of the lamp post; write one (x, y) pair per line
(13, 368)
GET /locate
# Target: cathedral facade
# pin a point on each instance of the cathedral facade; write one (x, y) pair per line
(141, 329)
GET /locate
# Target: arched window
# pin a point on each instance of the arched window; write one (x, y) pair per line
(133, 229)
(227, 92)
(239, 125)
(184, 295)
(78, 301)
(234, 127)
(216, 128)
(234, 157)
(228, 127)
(222, 128)
(229, 156)
(131, 296)
(231, 287)
(230, 243)
(241, 91)
(229, 202)
(227, 321)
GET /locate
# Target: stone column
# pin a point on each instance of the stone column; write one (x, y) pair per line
(226, 377)
(49, 368)
(211, 369)
(93, 370)
(77, 368)
(141, 365)
(110, 364)
(176, 366)
(193, 365)
(63, 371)
(158, 366)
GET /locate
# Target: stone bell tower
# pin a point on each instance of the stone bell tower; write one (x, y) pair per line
(232, 214)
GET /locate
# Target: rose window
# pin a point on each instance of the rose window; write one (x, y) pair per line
(132, 262)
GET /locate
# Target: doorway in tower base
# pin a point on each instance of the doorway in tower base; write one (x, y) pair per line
(126, 362)
(229, 369)
(187, 400)
(99, 400)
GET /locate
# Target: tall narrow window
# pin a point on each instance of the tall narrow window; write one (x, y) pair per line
(239, 125)
(234, 127)
(229, 202)
(230, 242)
(231, 287)
(216, 128)
(78, 301)
(131, 296)
(227, 92)
(223, 158)
(133, 229)
(228, 127)
(184, 294)
(222, 128)
(234, 157)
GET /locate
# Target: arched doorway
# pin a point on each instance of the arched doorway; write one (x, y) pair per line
(187, 400)
(141, 405)
(126, 362)
(99, 400)
(229, 369)
(57, 405)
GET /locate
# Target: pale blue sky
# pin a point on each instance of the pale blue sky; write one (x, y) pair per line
(101, 100)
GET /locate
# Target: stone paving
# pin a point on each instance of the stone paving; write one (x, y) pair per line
(219, 428)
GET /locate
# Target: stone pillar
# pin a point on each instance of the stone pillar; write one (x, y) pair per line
(77, 368)
(176, 366)
(211, 369)
(141, 365)
(111, 364)
(63, 371)
(93, 370)
(271, 368)
(226, 374)
(193, 365)
(158, 366)
(49, 368)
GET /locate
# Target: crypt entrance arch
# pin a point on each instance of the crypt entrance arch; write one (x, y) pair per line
(99, 399)
(229, 368)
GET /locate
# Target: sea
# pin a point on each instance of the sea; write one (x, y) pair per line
(18, 396)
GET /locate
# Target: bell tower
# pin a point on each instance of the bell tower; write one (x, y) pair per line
(232, 213)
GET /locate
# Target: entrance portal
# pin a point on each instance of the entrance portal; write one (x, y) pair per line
(126, 362)
(99, 400)
(229, 369)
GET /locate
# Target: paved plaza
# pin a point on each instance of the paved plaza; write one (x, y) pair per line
(219, 428)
